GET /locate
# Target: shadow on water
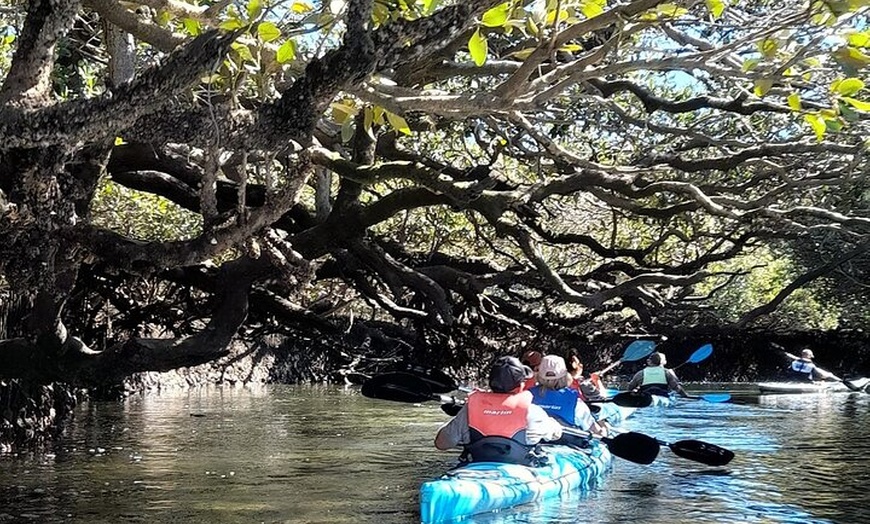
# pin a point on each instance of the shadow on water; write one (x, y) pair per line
(328, 455)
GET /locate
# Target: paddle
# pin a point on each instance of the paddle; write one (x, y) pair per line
(849, 383)
(698, 451)
(715, 398)
(699, 355)
(631, 446)
(637, 350)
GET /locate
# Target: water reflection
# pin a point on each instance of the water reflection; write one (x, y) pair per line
(328, 455)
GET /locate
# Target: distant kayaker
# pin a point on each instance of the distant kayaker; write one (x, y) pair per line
(656, 378)
(804, 368)
(558, 399)
(502, 425)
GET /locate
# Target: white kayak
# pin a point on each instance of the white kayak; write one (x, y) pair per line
(802, 387)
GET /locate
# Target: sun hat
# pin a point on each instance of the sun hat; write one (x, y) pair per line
(507, 374)
(552, 367)
(807, 353)
(532, 358)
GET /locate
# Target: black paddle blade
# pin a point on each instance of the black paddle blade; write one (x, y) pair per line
(634, 447)
(398, 387)
(630, 399)
(437, 380)
(703, 452)
(451, 408)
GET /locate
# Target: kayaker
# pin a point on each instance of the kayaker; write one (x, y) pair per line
(805, 369)
(532, 359)
(501, 425)
(589, 387)
(558, 399)
(656, 378)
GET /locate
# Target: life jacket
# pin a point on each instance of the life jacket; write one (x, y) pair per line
(655, 381)
(497, 424)
(802, 369)
(558, 403)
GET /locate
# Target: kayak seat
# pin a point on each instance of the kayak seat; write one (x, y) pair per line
(499, 449)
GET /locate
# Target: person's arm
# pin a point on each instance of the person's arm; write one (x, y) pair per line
(821, 374)
(541, 426)
(674, 383)
(636, 381)
(585, 421)
(454, 433)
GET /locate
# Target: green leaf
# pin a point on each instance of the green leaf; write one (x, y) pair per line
(716, 7)
(522, 54)
(497, 16)
(286, 53)
(243, 51)
(848, 86)
(301, 7)
(851, 58)
(342, 112)
(794, 102)
(254, 9)
(750, 63)
(762, 86)
(860, 105)
(818, 124)
(592, 8)
(191, 26)
(429, 6)
(231, 24)
(267, 31)
(398, 123)
(861, 39)
(768, 47)
(477, 47)
(671, 10)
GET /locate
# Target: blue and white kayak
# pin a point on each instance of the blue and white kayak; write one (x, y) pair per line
(483, 487)
(786, 388)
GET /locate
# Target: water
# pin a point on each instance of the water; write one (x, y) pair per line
(328, 455)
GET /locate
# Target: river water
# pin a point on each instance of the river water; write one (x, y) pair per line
(308, 454)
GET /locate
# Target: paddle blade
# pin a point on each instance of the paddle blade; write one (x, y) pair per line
(631, 399)
(437, 380)
(638, 350)
(398, 387)
(716, 398)
(703, 452)
(700, 354)
(634, 447)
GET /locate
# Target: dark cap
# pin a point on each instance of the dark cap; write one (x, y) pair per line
(507, 374)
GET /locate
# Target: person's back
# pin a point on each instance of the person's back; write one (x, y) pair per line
(656, 378)
(502, 425)
(558, 399)
(803, 369)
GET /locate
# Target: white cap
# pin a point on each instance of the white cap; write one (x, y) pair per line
(552, 367)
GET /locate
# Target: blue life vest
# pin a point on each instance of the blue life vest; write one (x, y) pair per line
(559, 403)
(802, 369)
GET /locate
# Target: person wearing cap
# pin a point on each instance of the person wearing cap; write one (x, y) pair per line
(656, 378)
(558, 399)
(501, 425)
(804, 368)
(532, 359)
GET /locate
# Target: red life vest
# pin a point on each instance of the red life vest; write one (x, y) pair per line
(498, 415)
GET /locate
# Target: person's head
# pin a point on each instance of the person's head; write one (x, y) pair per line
(807, 354)
(657, 359)
(508, 374)
(532, 359)
(573, 362)
(552, 372)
